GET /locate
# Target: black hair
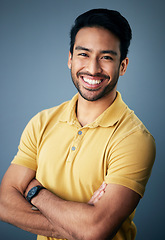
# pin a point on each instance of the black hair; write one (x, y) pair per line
(108, 19)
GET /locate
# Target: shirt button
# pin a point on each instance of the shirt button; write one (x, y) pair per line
(79, 132)
(73, 148)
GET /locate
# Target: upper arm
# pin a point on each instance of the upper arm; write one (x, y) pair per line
(113, 208)
(131, 160)
(24, 165)
(17, 177)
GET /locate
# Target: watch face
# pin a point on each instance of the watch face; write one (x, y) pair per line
(32, 192)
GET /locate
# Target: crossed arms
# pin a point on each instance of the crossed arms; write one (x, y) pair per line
(98, 219)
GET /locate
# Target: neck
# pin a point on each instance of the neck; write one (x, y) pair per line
(88, 111)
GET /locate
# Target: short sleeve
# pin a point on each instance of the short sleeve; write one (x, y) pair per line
(131, 160)
(27, 150)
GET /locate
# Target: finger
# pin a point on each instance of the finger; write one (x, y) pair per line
(98, 194)
(98, 197)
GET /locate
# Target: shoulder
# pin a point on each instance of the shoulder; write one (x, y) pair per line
(129, 125)
(43, 120)
(46, 116)
(56, 111)
(132, 141)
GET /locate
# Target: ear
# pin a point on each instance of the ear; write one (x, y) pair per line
(123, 66)
(69, 60)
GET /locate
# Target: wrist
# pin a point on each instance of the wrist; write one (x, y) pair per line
(33, 192)
(35, 199)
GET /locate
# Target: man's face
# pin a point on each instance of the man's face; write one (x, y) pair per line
(95, 63)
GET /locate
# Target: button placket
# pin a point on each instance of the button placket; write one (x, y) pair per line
(80, 132)
(76, 141)
(76, 144)
(73, 148)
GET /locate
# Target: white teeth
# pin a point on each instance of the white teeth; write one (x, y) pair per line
(90, 81)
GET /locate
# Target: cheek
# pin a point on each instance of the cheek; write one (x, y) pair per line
(113, 70)
(79, 65)
(108, 69)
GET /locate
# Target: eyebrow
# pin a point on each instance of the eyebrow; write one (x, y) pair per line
(82, 48)
(103, 51)
(110, 52)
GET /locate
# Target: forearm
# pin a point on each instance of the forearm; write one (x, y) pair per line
(87, 221)
(72, 220)
(15, 210)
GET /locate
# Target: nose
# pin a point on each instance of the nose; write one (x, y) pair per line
(93, 66)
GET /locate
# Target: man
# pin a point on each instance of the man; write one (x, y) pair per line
(82, 167)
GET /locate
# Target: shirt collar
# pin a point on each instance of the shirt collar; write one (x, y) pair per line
(108, 118)
(69, 113)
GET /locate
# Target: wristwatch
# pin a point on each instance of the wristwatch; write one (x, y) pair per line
(33, 192)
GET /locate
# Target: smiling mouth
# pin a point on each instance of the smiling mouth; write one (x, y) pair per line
(92, 81)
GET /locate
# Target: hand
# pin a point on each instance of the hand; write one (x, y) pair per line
(98, 194)
(32, 184)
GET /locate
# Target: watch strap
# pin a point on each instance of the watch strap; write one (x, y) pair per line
(33, 192)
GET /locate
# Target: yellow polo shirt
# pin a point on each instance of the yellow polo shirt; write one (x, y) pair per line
(73, 161)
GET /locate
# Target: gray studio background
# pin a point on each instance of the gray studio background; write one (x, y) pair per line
(34, 45)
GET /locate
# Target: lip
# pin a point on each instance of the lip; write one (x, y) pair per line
(91, 82)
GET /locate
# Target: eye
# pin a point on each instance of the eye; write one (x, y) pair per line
(107, 57)
(83, 54)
